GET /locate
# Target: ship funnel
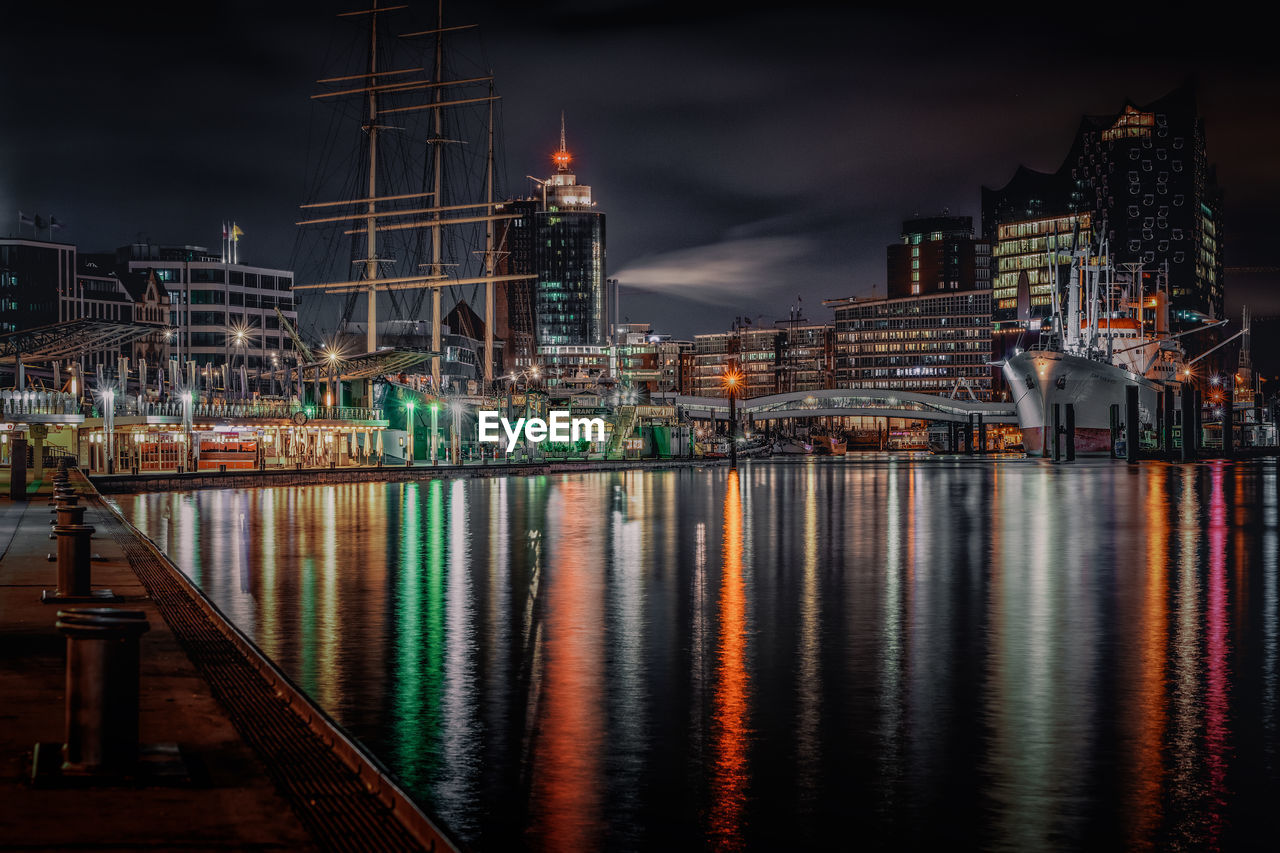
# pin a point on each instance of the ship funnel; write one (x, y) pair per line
(1162, 312)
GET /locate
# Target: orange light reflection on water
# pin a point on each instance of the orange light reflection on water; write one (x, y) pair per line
(1147, 713)
(729, 706)
(567, 773)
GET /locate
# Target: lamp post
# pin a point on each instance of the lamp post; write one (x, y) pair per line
(731, 381)
(435, 447)
(241, 337)
(187, 413)
(409, 426)
(455, 443)
(109, 426)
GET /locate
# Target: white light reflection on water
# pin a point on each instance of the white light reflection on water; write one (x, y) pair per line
(960, 653)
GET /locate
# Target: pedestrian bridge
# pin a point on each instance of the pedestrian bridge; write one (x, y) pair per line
(844, 403)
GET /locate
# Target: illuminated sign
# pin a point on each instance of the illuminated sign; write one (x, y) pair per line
(561, 428)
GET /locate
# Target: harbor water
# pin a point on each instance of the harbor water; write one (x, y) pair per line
(791, 655)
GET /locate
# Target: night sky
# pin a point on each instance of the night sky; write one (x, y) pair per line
(747, 154)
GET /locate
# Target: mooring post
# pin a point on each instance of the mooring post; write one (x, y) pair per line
(1071, 432)
(1188, 423)
(102, 689)
(1228, 426)
(73, 556)
(1113, 414)
(1197, 417)
(1131, 423)
(18, 470)
(1057, 431)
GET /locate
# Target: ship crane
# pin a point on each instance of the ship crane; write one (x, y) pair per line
(304, 351)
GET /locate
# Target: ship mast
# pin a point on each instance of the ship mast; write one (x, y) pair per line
(437, 170)
(489, 258)
(369, 219)
(371, 223)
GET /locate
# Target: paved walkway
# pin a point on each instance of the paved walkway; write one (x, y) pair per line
(235, 800)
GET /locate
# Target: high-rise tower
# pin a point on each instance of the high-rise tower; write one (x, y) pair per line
(569, 255)
(1140, 178)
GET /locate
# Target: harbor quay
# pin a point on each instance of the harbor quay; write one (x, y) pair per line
(221, 751)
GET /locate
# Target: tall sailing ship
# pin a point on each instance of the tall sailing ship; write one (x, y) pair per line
(407, 213)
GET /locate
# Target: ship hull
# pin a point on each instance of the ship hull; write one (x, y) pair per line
(1040, 379)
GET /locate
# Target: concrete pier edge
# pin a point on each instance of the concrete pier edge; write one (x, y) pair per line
(376, 778)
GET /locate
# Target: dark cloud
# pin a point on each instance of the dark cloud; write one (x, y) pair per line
(778, 148)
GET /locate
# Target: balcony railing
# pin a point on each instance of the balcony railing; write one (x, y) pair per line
(18, 403)
(258, 410)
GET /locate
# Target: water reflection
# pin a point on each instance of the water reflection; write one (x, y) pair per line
(1009, 656)
(569, 723)
(730, 698)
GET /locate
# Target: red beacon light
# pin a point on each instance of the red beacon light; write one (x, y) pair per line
(561, 158)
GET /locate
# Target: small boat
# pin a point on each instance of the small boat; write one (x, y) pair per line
(716, 447)
(791, 447)
(829, 445)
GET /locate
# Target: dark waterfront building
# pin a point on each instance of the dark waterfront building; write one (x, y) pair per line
(1143, 178)
(515, 301)
(44, 282)
(938, 254)
(569, 253)
(33, 274)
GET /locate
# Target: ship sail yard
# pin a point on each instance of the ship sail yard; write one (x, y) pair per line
(389, 95)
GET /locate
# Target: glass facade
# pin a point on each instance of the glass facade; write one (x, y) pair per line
(1032, 247)
(927, 344)
(570, 299)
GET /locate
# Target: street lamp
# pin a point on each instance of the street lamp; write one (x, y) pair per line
(109, 425)
(456, 406)
(409, 424)
(435, 436)
(731, 381)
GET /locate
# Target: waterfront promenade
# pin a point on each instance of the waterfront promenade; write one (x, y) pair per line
(172, 482)
(264, 768)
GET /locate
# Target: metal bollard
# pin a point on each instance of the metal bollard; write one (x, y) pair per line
(70, 513)
(64, 494)
(102, 689)
(73, 558)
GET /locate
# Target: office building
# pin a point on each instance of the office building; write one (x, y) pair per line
(1143, 178)
(799, 357)
(647, 361)
(43, 283)
(569, 257)
(936, 255)
(220, 311)
(930, 344)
